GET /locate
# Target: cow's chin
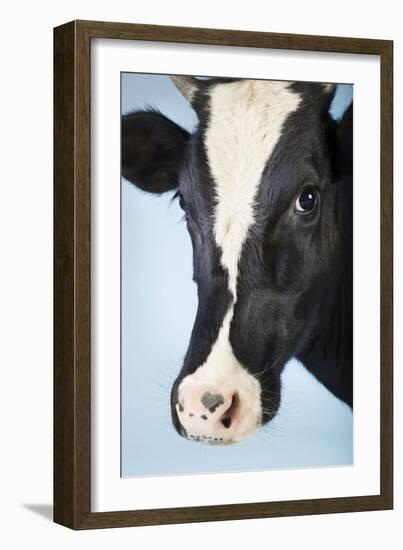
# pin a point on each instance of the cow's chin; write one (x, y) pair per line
(219, 404)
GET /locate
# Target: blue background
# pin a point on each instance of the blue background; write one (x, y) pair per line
(312, 428)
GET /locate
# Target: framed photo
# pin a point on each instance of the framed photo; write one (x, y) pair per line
(222, 275)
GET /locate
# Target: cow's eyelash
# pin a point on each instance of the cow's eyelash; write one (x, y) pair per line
(182, 205)
(181, 200)
(176, 196)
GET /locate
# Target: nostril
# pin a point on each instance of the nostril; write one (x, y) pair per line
(228, 416)
(226, 422)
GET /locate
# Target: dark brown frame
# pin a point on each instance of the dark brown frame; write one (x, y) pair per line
(72, 320)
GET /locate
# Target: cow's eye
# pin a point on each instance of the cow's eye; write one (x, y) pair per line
(306, 200)
(182, 203)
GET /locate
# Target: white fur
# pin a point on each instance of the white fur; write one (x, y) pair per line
(246, 120)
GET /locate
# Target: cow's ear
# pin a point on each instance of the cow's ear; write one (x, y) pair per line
(327, 93)
(152, 150)
(345, 137)
(345, 141)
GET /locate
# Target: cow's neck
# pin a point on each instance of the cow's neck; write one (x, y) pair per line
(328, 354)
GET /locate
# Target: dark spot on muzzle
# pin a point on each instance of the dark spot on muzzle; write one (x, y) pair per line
(212, 401)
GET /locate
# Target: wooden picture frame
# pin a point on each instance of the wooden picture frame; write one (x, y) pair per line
(72, 270)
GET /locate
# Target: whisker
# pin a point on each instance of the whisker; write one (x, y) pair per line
(267, 369)
(272, 392)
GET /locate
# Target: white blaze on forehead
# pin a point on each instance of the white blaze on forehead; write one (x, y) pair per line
(246, 121)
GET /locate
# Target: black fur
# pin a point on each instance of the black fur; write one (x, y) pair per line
(152, 150)
(294, 288)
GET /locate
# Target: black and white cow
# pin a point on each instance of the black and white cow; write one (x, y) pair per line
(265, 182)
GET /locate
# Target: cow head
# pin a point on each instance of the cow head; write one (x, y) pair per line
(256, 181)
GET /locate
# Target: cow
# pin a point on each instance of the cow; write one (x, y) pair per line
(265, 183)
